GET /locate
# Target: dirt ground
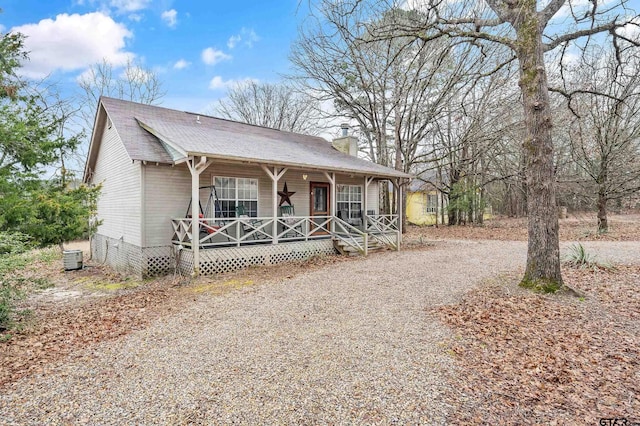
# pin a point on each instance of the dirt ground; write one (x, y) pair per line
(533, 358)
(95, 304)
(576, 227)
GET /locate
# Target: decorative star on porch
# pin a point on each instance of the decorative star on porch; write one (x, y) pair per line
(285, 194)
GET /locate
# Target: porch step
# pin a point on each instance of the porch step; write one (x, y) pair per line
(345, 249)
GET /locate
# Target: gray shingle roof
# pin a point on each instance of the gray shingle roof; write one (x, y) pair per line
(140, 145)
(202, 135)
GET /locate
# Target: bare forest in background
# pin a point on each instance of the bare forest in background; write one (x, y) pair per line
(428, 101)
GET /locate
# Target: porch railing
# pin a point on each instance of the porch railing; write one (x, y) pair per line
(349, 234)
(214, 232)
(383, 228)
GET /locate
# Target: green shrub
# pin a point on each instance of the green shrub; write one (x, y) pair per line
(14, 242)
(578, 257)
(14, 287)
(8, 295)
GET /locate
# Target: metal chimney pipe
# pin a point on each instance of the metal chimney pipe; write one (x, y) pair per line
(345, 129)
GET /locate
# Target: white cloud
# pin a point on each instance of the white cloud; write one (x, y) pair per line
(247, 35)
(135, 17)
(170, 17)
(211, 56)
(233, 40)
(631, 30)
(2, 28)
(87, 75)
(136, 74)
(578, 8)
(181, 64)
(72, 42)
(218, 83)
(124, 6)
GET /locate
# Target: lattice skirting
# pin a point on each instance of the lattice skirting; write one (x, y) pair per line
(158, 260)
(130, 259)
(153, 261)
(219, 260)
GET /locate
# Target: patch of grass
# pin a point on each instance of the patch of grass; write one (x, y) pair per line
(10, 263)
(42, 283)
(113, 286)
(221, 287)
(14, 243)
(578, 257)
(10, 287)
(49, 255)
(9, 293)
(15, 286)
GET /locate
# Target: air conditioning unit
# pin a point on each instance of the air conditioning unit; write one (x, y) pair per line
(72, 259)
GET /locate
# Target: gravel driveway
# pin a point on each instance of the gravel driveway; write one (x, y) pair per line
(349, 343)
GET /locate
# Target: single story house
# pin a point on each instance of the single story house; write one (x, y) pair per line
(205, 195)
(425, 203)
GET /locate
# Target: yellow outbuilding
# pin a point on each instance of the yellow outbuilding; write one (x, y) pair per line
(424, 203)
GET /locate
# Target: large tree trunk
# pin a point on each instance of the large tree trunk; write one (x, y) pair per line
(601, 203)
(402, 207)
(603, 224)
(453, 196)
(480, 207)
(543, 255)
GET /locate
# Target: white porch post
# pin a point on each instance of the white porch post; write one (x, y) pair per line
(332, 197)
(196, 168)
(367, 182)
(366, 198)
(275, 177)
(399, 208)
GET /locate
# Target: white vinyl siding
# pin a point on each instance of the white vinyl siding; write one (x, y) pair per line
(167, 191)
(373, 198)
(119, 204)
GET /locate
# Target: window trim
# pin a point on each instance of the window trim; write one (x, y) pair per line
(428, 209)
(349, 201)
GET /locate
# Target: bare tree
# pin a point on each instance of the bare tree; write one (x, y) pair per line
(67, 113)
(472, 134)
(605, 131)
(524, 28)
(278, 106)
(133, 82)
(392, 88)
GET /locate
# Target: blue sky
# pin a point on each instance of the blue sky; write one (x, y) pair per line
(197, 47)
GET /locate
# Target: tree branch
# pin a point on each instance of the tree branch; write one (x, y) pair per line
(479, 35)
(548, 12)
(501, 9)
(610, 26)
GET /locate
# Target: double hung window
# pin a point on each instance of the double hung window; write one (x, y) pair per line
(233, 192)
(349, 200)
(431, 204)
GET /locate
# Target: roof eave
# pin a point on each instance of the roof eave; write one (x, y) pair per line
(396, 174)
(98, 128)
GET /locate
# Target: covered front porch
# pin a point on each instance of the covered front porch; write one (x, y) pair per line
(230, 237)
